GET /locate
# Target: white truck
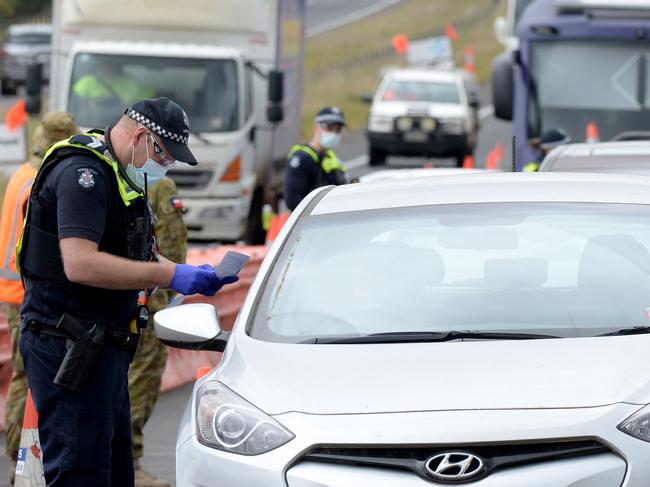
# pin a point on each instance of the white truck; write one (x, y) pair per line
(235, 66)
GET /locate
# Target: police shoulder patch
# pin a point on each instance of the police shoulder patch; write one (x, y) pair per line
(86, 178)
(295, 162)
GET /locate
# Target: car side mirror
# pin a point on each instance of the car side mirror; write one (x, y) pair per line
(33, 84)
(276, 86)
(367, 99)
(190, 326)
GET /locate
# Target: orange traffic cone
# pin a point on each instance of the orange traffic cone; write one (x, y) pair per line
(592, 133)
(274, 229)
(470, 59)
(29, 467)
(492, 160)
(500, 151)
(468, 162)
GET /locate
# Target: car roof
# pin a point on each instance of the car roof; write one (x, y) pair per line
(425, 75)
(486, 188)
(612, 157)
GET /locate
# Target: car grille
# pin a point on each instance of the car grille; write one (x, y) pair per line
(193, 179)
(494, 457)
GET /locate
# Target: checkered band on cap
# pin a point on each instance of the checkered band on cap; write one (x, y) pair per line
(330, 118)
(138, 117)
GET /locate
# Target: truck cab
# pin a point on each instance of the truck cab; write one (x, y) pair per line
(227, 63)
(580, 65)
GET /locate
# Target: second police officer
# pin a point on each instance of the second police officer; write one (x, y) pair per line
(86, 251)
(313, 165)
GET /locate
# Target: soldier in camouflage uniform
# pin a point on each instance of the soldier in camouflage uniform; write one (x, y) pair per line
(55, 126)
(149, 364)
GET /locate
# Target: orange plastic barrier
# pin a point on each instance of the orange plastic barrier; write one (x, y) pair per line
(182, 365)
(468, 162)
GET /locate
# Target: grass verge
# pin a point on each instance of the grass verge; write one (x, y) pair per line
(416, 18)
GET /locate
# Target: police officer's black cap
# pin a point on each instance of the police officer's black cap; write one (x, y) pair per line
(329, 116)
(167, 119)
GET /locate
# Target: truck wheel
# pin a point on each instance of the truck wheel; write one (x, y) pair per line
(377, 157)
(255, 234)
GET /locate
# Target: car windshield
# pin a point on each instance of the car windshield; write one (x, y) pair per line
(103, 86)
(423, 91)
(520, 6)
(30, 39)
(559, 269)
(613, 93)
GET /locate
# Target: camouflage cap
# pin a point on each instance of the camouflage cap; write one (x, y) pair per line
(54, 127)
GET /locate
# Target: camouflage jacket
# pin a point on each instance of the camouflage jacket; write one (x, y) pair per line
(170, 231)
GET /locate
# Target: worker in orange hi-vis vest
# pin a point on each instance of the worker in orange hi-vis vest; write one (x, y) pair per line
(54, 127)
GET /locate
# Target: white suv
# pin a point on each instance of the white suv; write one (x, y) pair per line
(422, 113)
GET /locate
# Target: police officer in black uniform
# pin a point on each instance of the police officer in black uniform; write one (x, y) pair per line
(86, 251)
(313, 165)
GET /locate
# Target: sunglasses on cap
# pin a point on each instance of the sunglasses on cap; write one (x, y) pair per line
(332, 127)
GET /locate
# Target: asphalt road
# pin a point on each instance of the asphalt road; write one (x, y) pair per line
(324, 15)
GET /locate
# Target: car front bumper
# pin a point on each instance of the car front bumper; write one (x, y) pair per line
(436, 144)
(624, 464)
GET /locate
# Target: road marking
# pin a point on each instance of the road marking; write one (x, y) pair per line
(351, 17)
(356, 162)
(486, 112)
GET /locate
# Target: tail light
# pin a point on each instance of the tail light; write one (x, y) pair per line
(233, 172)
(3, 54)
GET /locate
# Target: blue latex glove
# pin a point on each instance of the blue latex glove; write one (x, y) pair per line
(189, 279)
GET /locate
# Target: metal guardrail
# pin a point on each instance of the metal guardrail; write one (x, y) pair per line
(386, 52)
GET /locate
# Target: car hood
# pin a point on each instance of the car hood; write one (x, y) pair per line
(438, 110)
(381, 378)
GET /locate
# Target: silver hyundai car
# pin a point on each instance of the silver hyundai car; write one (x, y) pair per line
(489, 330)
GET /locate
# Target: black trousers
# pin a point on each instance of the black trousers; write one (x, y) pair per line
(85, 436)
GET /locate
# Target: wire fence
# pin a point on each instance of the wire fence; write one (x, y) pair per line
(386, 52)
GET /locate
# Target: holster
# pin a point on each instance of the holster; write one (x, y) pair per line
(83, 348)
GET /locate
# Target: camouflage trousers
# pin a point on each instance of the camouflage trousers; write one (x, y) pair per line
(17, 392)
(145, 375)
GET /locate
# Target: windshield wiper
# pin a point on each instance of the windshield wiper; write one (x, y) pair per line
(201, 137)
(634, 330)
(418, 337)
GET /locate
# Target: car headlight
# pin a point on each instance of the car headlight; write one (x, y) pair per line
(380, 124)
(228, 422)
(428, 124)
(638, 425)
(453, 125)
(404, 124)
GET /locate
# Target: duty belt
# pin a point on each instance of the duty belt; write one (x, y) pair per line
(116, 338)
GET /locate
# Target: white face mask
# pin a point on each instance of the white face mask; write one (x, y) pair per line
(330, 140)
(154, 171)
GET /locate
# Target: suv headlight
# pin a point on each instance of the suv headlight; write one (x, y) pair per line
(638, 425)
(379, 123)
(228, 422)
